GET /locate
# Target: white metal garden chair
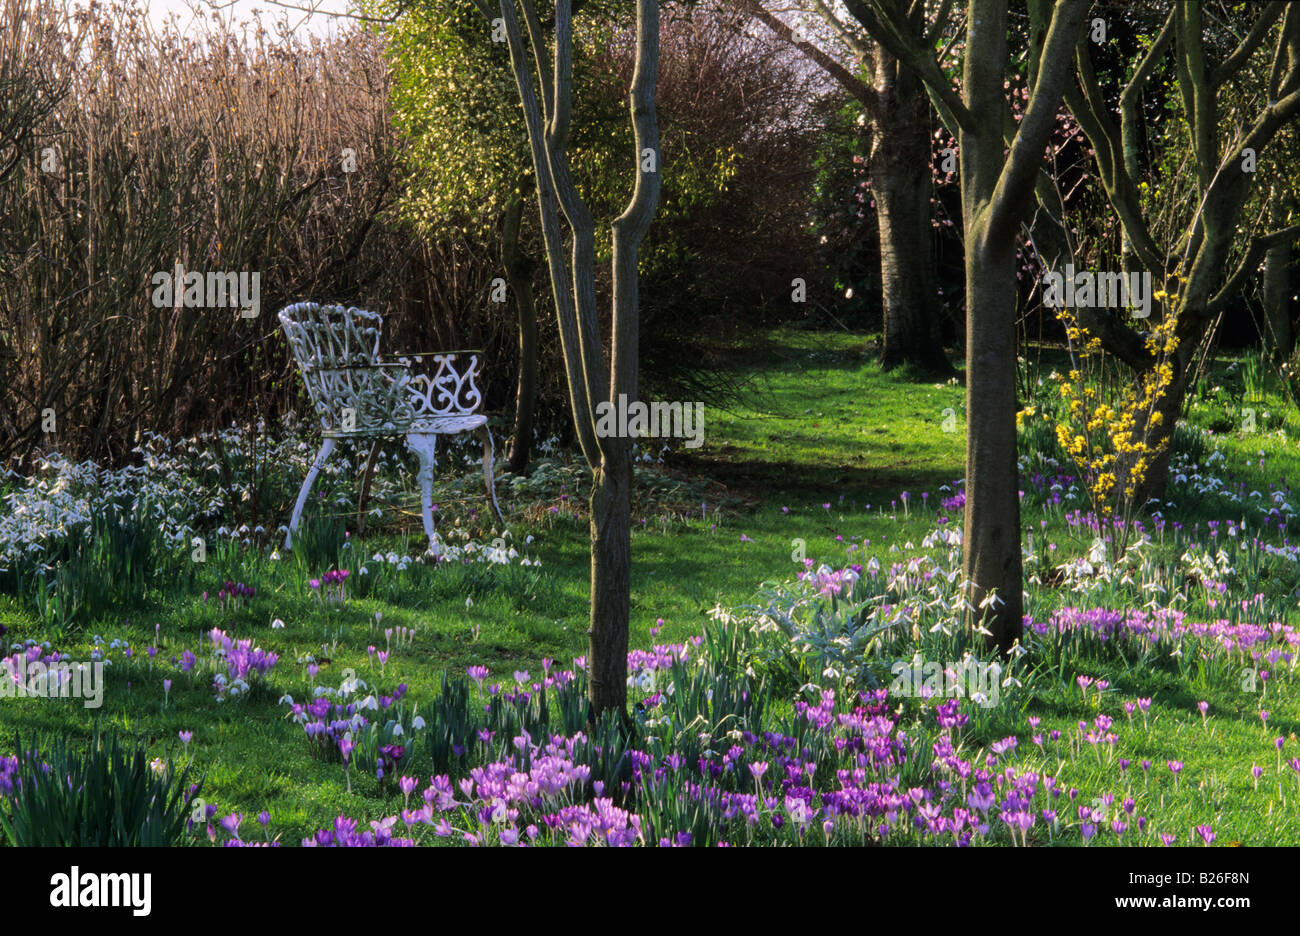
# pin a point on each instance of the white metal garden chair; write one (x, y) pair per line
(358, 395)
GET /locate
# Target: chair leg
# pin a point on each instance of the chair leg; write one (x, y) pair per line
(488, 451)
(365, 488)
(424, 445)
(321, 457)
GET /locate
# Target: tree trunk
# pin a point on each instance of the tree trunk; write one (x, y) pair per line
(1159, 438)
(1277, 290)
(519, 274)
(1193, 330)
(997, 188)
(590, 382)
(991, 525)
(900, 182)
(611, 569)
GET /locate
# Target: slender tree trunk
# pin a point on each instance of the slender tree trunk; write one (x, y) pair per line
(611, 496)
(611, 570)
(519, 274)
(1159, 437)
(900, 181)
(1277, 290)
(991, 522)
(590, 382)
(997, 188)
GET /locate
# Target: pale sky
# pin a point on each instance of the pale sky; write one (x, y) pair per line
(298, 12)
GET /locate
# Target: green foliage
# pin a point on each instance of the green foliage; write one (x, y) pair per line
(109, 796)
(456, 106)
(450, 725)
(318, 544)
(110, 561)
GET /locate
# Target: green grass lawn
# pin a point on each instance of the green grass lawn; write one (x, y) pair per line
(811, 460)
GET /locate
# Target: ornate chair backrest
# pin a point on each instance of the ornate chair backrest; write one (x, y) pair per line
(337, 351)
(450, 392)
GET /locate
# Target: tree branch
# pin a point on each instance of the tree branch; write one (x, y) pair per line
(1241, 55)
(630, 227)
(860, 89)
(1085, 101)
(1258, 247)
(1015, 185)
(581, 393)
(1290, 37)
(894, 39)
(856, 46)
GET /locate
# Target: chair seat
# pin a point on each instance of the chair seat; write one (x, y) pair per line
(446, 425)
(391, 431)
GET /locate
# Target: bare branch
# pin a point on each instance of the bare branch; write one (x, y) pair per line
(1146, 67)
(1086, 102)
(1014, 188)
(855, 44)
(1258, 247)
(1241, 55)
(538, 42)
(630, 227)
(894, 38)
(581, 391)
(860, 89)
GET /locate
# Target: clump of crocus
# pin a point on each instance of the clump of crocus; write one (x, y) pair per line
(330, 588)
(233, 595)
(244, 663)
